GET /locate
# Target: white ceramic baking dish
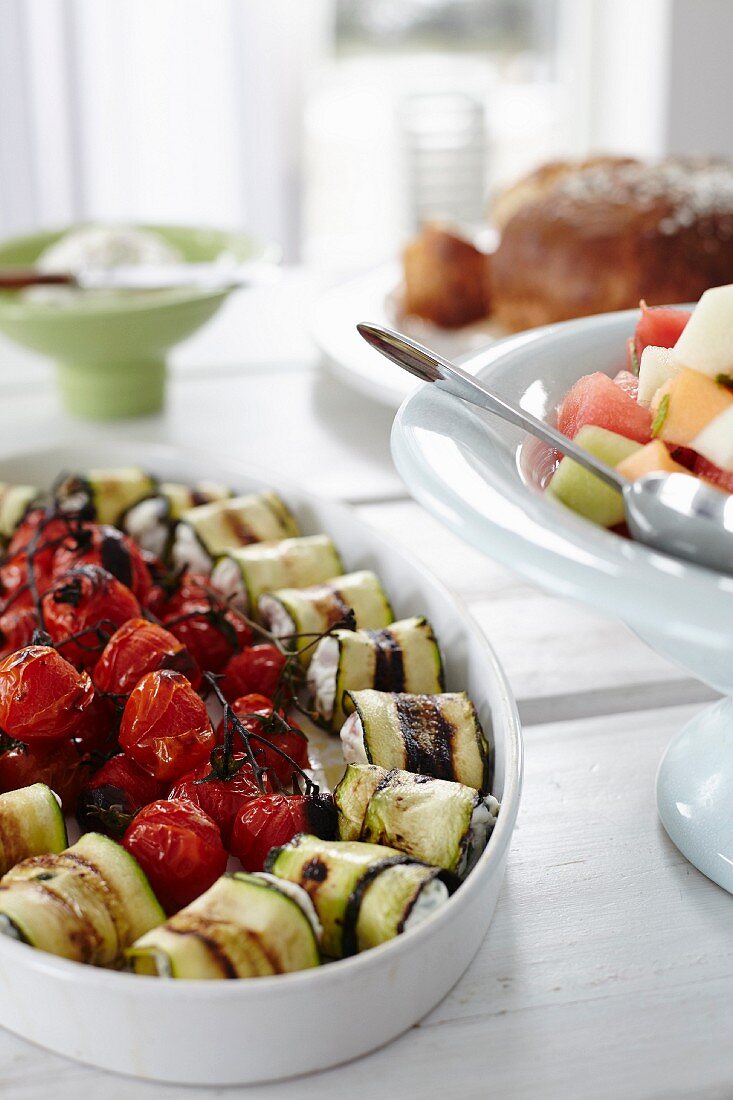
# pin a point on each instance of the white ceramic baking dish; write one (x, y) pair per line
(229, 1032)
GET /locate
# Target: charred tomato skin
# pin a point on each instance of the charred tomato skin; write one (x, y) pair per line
(42, 695)
(109, 800)
(18, 623)
(136, 648)
(165, 726)
(46, 534)
(257, 669)
(179, 848)
(83, 608)
(105, 546)
(274, 819)
(220, 798)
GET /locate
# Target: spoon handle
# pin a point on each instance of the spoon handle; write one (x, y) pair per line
(430, 367)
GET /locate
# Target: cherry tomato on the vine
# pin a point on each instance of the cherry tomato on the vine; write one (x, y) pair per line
(165, 726)
(289, 740)
(256, 669)
(274, 819)
(210, 629)
(179, 848)
(46, 534)
(99, 544)
(42, 695)
(220, 798)
(18, 622)
(83, 608)
(139, 647)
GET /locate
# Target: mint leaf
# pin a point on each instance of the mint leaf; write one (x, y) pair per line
(661, 415)
(633, 357)
(724, 380)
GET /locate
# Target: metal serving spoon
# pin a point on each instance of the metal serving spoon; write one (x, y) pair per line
(676, 513)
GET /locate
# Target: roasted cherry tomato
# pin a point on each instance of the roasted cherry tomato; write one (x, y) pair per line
(139, 647)
(41, 695)
(256, 669)
(221, 798)
(291, 741)
(274, 819)
(47, 534)
(110, 798)
(165, 727)
(82, 610)
(56, 763)
(179, 848)
(211, 631)
(99, 544)
(18, 622)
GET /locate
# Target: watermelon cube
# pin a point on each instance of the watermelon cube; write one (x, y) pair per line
(596, 399)
(628, 382)
(660, 326)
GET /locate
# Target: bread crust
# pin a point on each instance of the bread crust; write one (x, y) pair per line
(447, 279)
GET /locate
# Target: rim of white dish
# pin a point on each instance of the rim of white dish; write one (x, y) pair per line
(340, 969)
(538, 537)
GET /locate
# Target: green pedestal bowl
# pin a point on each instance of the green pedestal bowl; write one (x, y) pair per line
(110, 348)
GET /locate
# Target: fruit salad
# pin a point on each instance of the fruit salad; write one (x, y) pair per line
(670, 409)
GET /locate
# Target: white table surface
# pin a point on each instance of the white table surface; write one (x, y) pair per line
(608, 968)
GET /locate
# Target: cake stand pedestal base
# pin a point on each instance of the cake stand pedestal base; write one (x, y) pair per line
(695, 792)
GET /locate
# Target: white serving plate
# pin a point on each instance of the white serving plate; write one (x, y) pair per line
(479, 476)
(374, 296)
(236, 1032)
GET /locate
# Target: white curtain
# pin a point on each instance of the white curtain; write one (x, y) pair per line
(170, 110)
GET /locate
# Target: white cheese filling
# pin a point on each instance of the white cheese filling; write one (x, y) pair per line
(275, 617)
(483, 820)
(322, 675)
(188, 552)
(352, 740)
(147, 524)
(432, 896)
(227, 579)
(299, 896)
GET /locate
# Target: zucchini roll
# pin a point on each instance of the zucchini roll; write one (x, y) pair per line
(245, 573)
(106, 494)
(31, 824)
(364, 894)
(438, 735)
(442, 823)
(151, 522)
(314, 610)
(88, 903)
(204, 533)
(15, 500)
(402, 657)
(244, 926)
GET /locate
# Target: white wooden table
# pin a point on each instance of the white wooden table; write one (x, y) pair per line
(608, 968)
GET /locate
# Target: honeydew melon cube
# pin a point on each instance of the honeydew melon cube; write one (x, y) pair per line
(715, 441)
(693, 400)
(582, 491)
(657, 366)
(706, 342)
(651, 459)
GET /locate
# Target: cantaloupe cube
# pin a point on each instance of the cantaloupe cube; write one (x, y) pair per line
(692, 401)
(582, 491)
(657, 367)
(706, 342)
(715, 441)
(649, 460)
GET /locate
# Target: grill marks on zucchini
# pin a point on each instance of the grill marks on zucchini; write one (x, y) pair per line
(389, 666)
(349, 940)
(427, 736)
(31, 824)
(244, 926)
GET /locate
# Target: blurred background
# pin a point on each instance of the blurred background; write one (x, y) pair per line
(331, 126)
